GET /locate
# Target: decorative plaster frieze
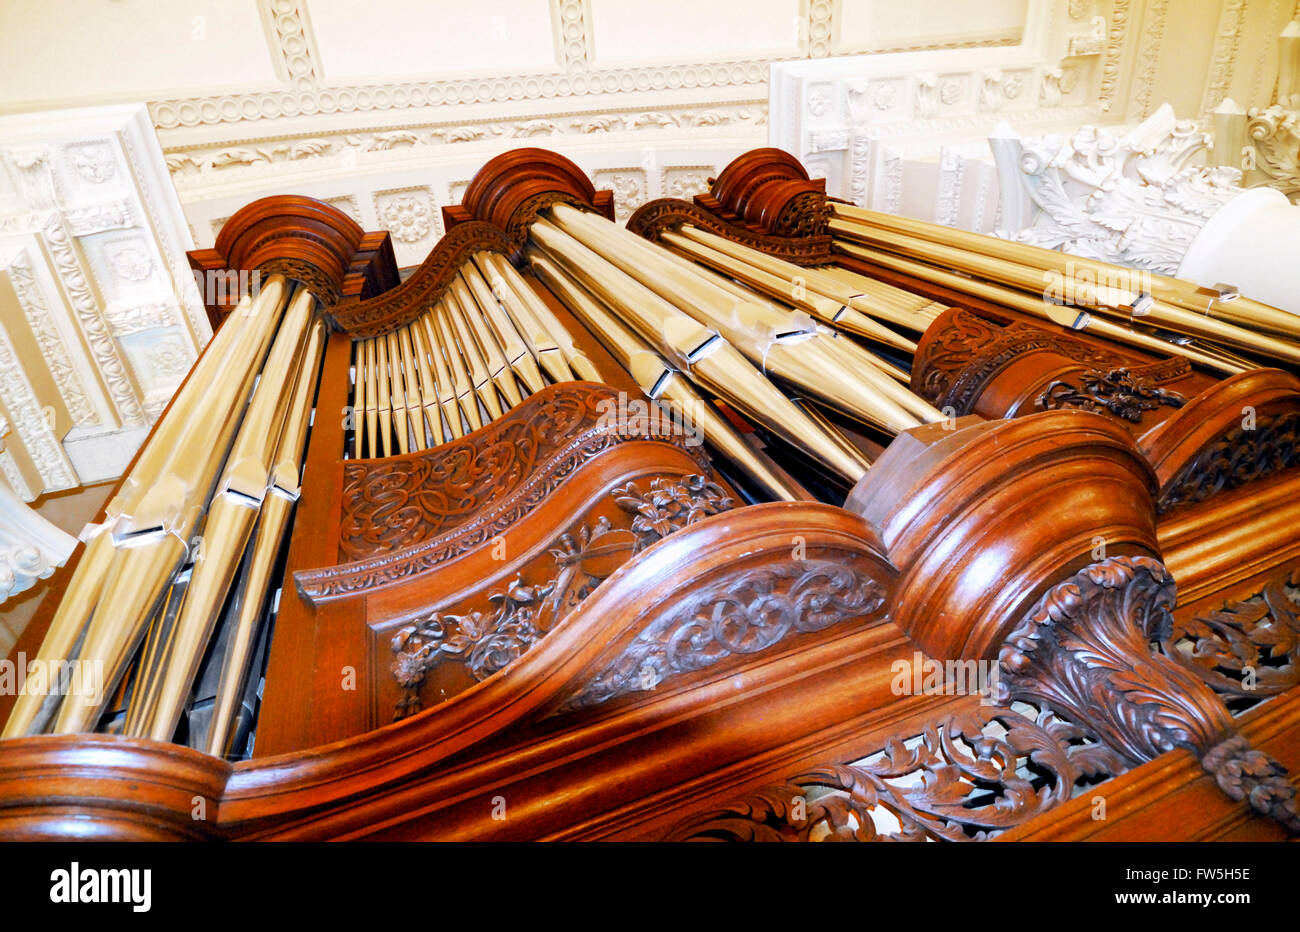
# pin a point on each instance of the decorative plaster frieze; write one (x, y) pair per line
(32, 422)
(628, 186)
(1153, 34)
(820, 28)
(1227, 39)
(570, 18)
(92, 241)
(54, 349)
(1274, 138)
(685, 181)
(1119, 24)
(205, 169)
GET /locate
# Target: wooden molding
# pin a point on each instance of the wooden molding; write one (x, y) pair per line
(303, 239)
(511, 189)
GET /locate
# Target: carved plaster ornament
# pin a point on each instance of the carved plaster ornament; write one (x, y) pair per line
(1137, 200)
(31, 548)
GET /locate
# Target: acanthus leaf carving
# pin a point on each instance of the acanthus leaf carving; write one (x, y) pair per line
(971, 776)
(1084, 651)
(1243, 454)
(1247, 649)
(1137, 200)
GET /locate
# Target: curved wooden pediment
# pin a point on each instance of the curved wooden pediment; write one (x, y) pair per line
(303, 239)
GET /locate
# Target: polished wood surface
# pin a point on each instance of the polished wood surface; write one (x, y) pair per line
(572, 623)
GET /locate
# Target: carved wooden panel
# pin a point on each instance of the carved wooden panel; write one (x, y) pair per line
(972, 364)
(652, 219)
(971, 776)
(405, 515)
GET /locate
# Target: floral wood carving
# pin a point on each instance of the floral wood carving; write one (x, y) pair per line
(1117, 391)
(321, 285)
(1240, 456)
(805, 215)
(399, 502)
(1248, 649)
(404, 515)
(1084, 650)
(653, 218)
(963, 352)
(487, 641)
(413, 297)
(742, 614)
(972, 776)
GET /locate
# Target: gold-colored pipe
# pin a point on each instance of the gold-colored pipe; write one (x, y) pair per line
(479, 375)
(397, 392)
(149, 669)
(1121, 302)
(358, 397)
(411, 380)
(231, 345)
(1054, 313)
(268, 538)
(428, 387)
(771, 337)
(885, 302)
(663, 384)
(158, 505)
(372, 398)
(695, 349)
(794, 292)
(231, 516)
(518, 356)
(1241, 310)
(859, 356)
(385, 402)
(446, 389)
(996, 269)
(582, 366)
(915, 306)
(512, 290)
(481, 333)
(865, 364)
(466, 398)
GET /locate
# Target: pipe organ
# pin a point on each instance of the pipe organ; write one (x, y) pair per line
(762, 517)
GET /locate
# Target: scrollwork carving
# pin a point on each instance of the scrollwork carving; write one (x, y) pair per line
(971, 777)
(1247, 452)
(1084, 650)
(1247, 649)
(402, 304)
(487, 641)
(653, 218)
(968, 351)
(743, 614)
(1117, 391)
(1275, 137)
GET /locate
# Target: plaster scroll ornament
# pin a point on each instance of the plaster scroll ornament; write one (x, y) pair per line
(31, 548)
(1138, 200)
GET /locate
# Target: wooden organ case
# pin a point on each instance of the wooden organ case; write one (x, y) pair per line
(685, 530)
